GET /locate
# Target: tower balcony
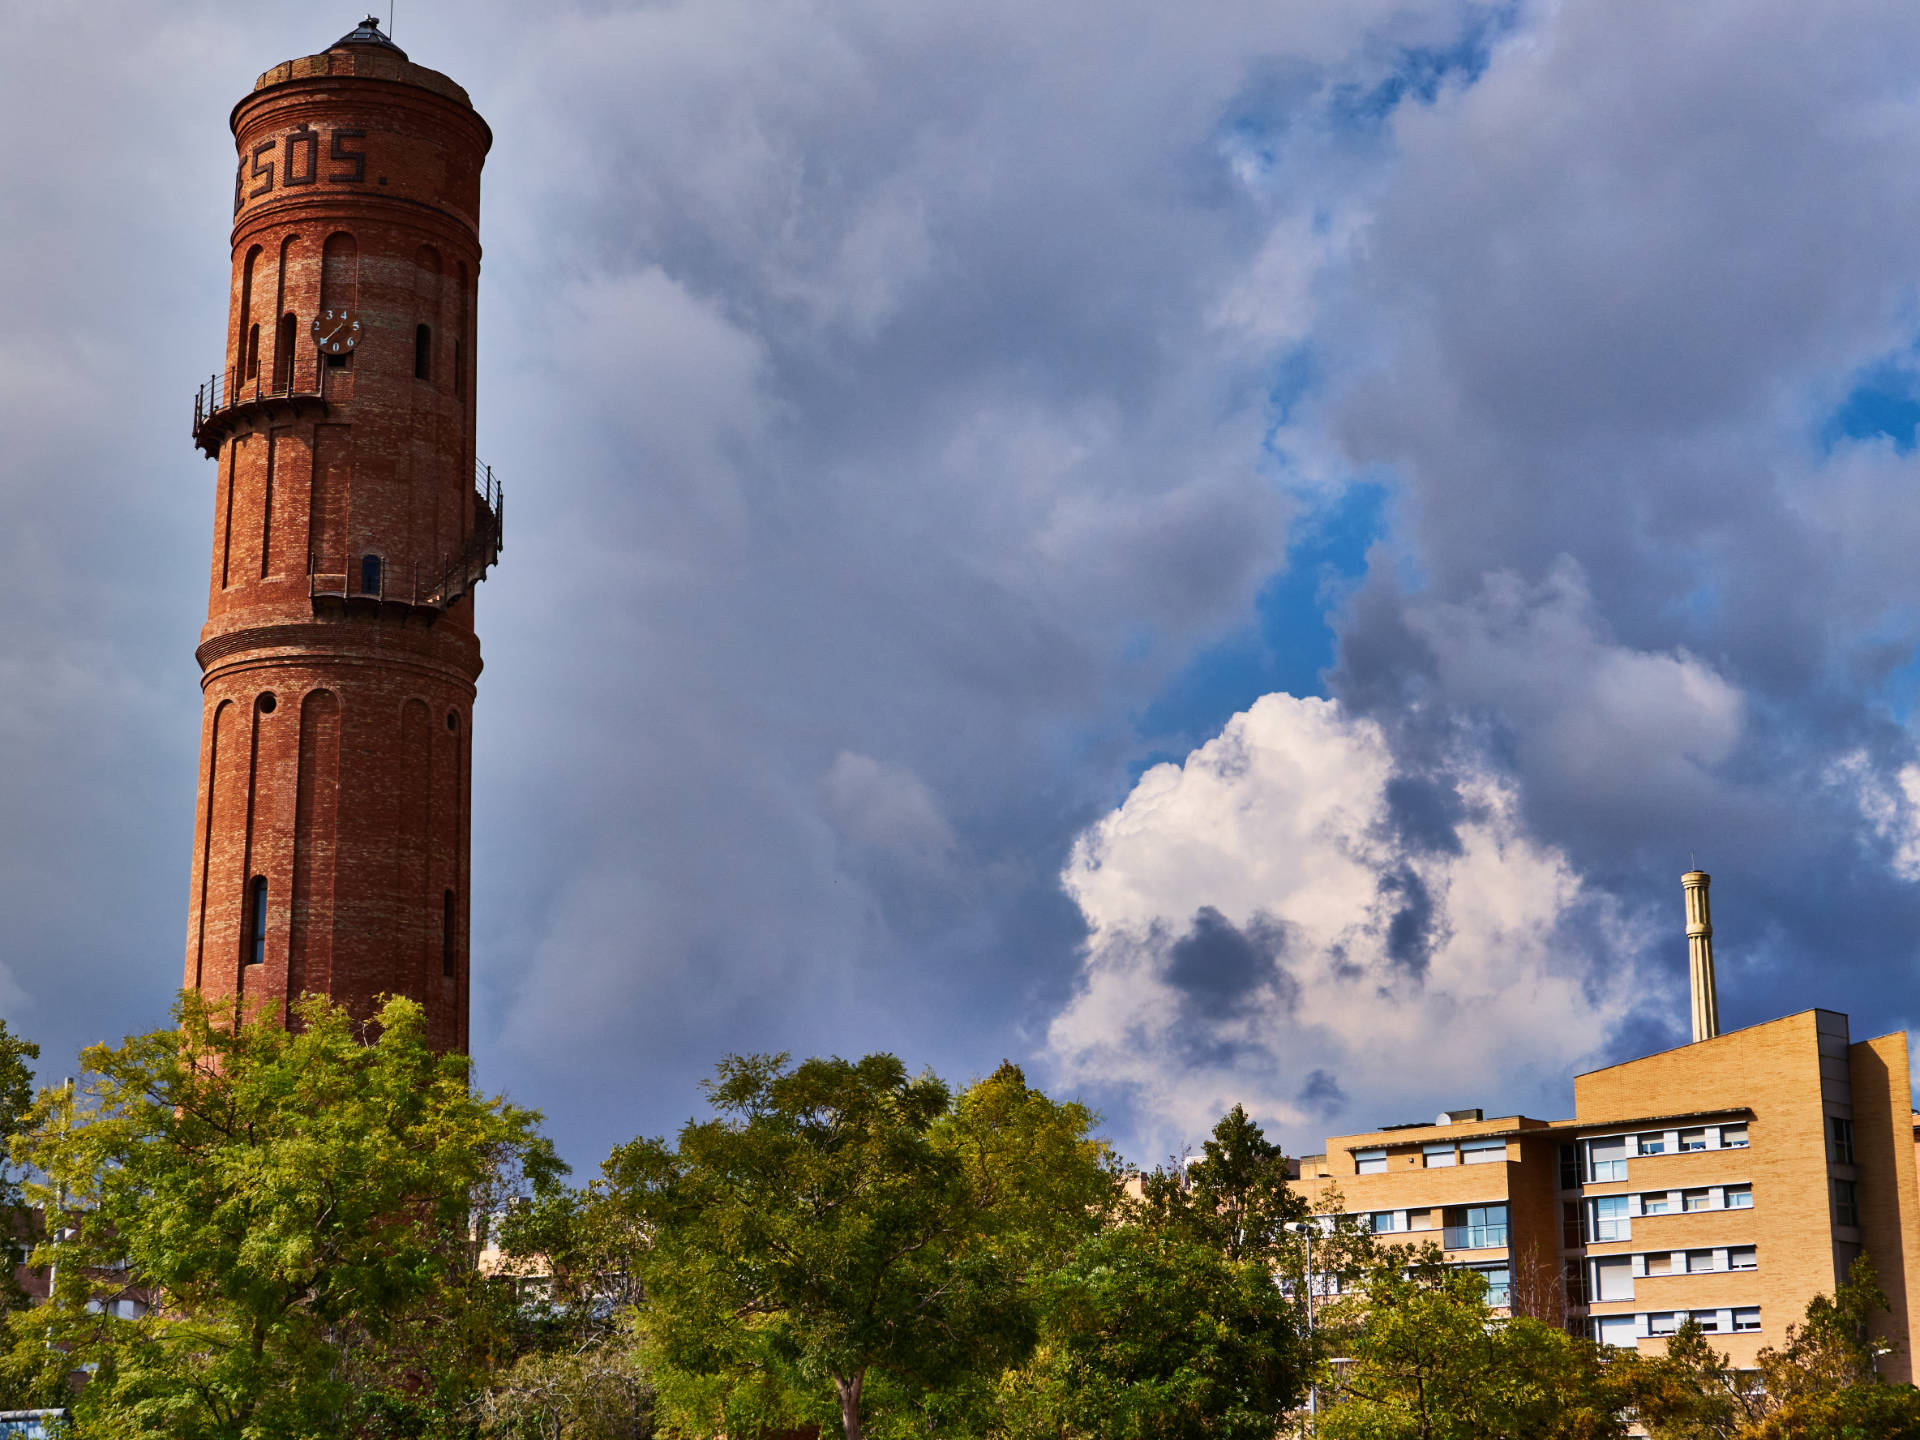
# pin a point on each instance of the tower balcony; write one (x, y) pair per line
(226, 403)
(419, 594)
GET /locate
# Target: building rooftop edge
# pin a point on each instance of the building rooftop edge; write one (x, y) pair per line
(1723, 1035)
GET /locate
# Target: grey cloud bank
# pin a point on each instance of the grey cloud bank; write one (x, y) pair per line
(896, 400)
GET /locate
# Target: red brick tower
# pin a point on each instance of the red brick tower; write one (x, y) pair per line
(351, 524)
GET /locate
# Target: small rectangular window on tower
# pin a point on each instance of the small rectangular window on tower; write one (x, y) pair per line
(423, 352)
(256, 947)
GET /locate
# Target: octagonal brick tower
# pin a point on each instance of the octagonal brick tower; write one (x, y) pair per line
(351, 523)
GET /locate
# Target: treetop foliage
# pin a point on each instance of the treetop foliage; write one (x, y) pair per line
(292, 1210)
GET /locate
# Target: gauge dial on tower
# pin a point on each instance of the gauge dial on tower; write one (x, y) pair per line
(336, 331)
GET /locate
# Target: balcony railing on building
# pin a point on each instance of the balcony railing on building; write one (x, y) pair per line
(374, 582)
(226, 400)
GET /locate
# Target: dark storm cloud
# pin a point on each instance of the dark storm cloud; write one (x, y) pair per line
(1425, 812)
(1410, 931)
(1220, 968)
(1322, 1096)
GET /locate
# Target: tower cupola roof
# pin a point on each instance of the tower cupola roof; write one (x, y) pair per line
(367, 32)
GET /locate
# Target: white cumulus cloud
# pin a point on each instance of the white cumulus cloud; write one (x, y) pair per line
(1286, 922)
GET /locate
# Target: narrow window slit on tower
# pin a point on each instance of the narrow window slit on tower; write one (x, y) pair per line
(369, 574)
(253, 353)
(446, 934)
(256, 949)
(423, 352)
(459, 369)
(283, 354)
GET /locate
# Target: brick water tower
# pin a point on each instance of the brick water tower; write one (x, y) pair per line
(351, 524)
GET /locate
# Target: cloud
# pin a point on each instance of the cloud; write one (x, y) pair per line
(896, 402)
(1262, 931)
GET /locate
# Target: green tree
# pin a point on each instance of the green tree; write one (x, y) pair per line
(594, 1393)
(1430, 1361)
(1833, 1347)
(16, 1100)
(1858, 1412)
(1234, 1196)
(1150, 1334)
(563, 1367)
(1692, 1391)
(846, 1241)
(1822, 1384)
(299, 1206)
(1172, 1322)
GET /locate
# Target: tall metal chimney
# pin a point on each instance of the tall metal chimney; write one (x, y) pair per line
(1706, 999)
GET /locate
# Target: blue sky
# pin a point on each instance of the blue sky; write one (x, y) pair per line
(1154, 544)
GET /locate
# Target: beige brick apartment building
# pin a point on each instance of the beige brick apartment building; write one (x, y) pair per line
(1732, 1180)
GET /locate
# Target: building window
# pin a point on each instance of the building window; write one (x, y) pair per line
(460, 369)
(1653, 1144)
(256, 947)
(1846, 1204)
(1475, 1227)
(1693, 1139)
(1842, 1140)
(1383, 1222)
(1607, 1159)
(1482, 1152)
(1370, 1162)
(1747, 1318)
(1739, 1197)
(1609, 1218)
(253, 352)
(1743, 1257)
(1663, 1322)
(1569, 1168)
(1569, 1224)
(423, 352)
(1699, 1261)
(1613, 1279)
(1615, 1330)
(1708, 1321)
(446, 934)
(370, 575)
(1499, 1280)
(1435, 1157)
(1733, 1137)
(1660, 1202)
(1696, 1199)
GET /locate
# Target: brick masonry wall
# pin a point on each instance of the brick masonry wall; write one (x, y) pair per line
(335, 756)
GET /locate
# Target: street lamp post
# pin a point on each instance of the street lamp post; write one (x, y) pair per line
(1305, 1229)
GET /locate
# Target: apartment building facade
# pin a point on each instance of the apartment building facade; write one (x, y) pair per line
(1731, 1180)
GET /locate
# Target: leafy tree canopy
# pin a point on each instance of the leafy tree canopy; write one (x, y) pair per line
(1430, 1361)
(16, 1099)
(1821, 1385)
(848, 1241)
(298, 1206)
